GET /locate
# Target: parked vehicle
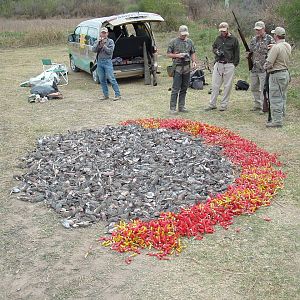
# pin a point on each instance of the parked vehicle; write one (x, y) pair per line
(135, 51)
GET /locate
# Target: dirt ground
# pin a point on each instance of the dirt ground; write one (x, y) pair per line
(42, 260)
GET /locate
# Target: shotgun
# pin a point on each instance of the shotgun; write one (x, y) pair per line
(266, 103)
(249, 58)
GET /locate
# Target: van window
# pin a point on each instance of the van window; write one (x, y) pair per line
(92, 35)
(77, 34)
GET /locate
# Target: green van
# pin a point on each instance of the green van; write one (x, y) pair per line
(134, 41)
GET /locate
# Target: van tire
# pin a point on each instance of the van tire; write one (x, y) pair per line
(73, 66)
(95, 76)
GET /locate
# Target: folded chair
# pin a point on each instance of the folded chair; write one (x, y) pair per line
(60, 69)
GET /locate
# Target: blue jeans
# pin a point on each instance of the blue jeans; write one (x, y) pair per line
(106, 72)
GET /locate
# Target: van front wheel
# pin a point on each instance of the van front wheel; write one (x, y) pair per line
(73, 66)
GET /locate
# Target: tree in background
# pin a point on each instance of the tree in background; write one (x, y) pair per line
(173, 11)
(290, 11)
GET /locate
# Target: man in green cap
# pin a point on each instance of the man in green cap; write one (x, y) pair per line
(227, 56)
(182, 51)
(259, 46)
(277, 67)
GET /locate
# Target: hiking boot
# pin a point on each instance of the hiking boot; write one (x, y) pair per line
(262, 112)
(173, 112)
(32, 98)
(273, 125)
(222, 109)
(104, 98)
(183, 110)
(255, 109)
(209, 108)
(116, 98)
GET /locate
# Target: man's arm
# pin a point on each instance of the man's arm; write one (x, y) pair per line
(95, 46)
(109, 47)
(236, 59)
(271, 58)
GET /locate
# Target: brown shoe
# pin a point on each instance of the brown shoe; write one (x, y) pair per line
(173, 112)
(255, 109)
(104, 98)
(183, 110)
(209, 108)
(273, 125)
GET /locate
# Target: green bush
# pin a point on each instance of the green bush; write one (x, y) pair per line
(290, 11)
(172, 11)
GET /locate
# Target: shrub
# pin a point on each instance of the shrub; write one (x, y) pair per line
(290, 11)
(173, 11)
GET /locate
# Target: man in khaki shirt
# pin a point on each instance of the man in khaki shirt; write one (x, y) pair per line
(277, 68)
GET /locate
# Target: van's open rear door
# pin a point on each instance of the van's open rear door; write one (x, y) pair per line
(134, 17)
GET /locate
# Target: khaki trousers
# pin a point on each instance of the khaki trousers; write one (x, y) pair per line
(278, 83)
(222, 73)
(257, 88)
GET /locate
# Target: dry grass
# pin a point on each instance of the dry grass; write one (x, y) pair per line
(37, 32)
(42, 260)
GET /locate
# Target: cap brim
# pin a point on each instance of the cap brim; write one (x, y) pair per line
(273, 31)
(223, 29)
(258, 28)
(184, 33)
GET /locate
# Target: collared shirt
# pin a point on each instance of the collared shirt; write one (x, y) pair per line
(229, 46)
(104, 51)
(279, 56)
(178, 45)
(259, 47)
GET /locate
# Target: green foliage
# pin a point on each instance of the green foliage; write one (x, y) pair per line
(172, 11)
(291, 13)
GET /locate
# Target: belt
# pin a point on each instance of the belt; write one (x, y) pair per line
(222, 62)
(277, 71)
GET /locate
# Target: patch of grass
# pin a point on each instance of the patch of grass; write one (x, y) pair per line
(259, 262)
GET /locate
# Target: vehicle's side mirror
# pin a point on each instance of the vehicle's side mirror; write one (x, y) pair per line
(71, 38)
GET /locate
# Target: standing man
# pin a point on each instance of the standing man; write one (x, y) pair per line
(227, 56)
(182, 51)
(277, 67)
(259, 47)
(104, 47)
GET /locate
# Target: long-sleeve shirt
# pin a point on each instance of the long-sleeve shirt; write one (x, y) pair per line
(104, 51)
(229, 46)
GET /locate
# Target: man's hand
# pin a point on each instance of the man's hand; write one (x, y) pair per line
(194, 64)
(181, 55)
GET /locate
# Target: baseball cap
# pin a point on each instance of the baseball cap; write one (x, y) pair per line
(279, 31)
(223, 26)
(104, 29)
(183, 30)
(259, 25)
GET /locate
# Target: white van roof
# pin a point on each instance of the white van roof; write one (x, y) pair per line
(124, 19)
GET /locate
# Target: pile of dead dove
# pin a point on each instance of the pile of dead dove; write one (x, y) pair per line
(121, 173)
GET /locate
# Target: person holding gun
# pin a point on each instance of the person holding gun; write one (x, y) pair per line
(259, 47)
(182, 51)
(227, 56)
(277, 67)
(104, 47)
